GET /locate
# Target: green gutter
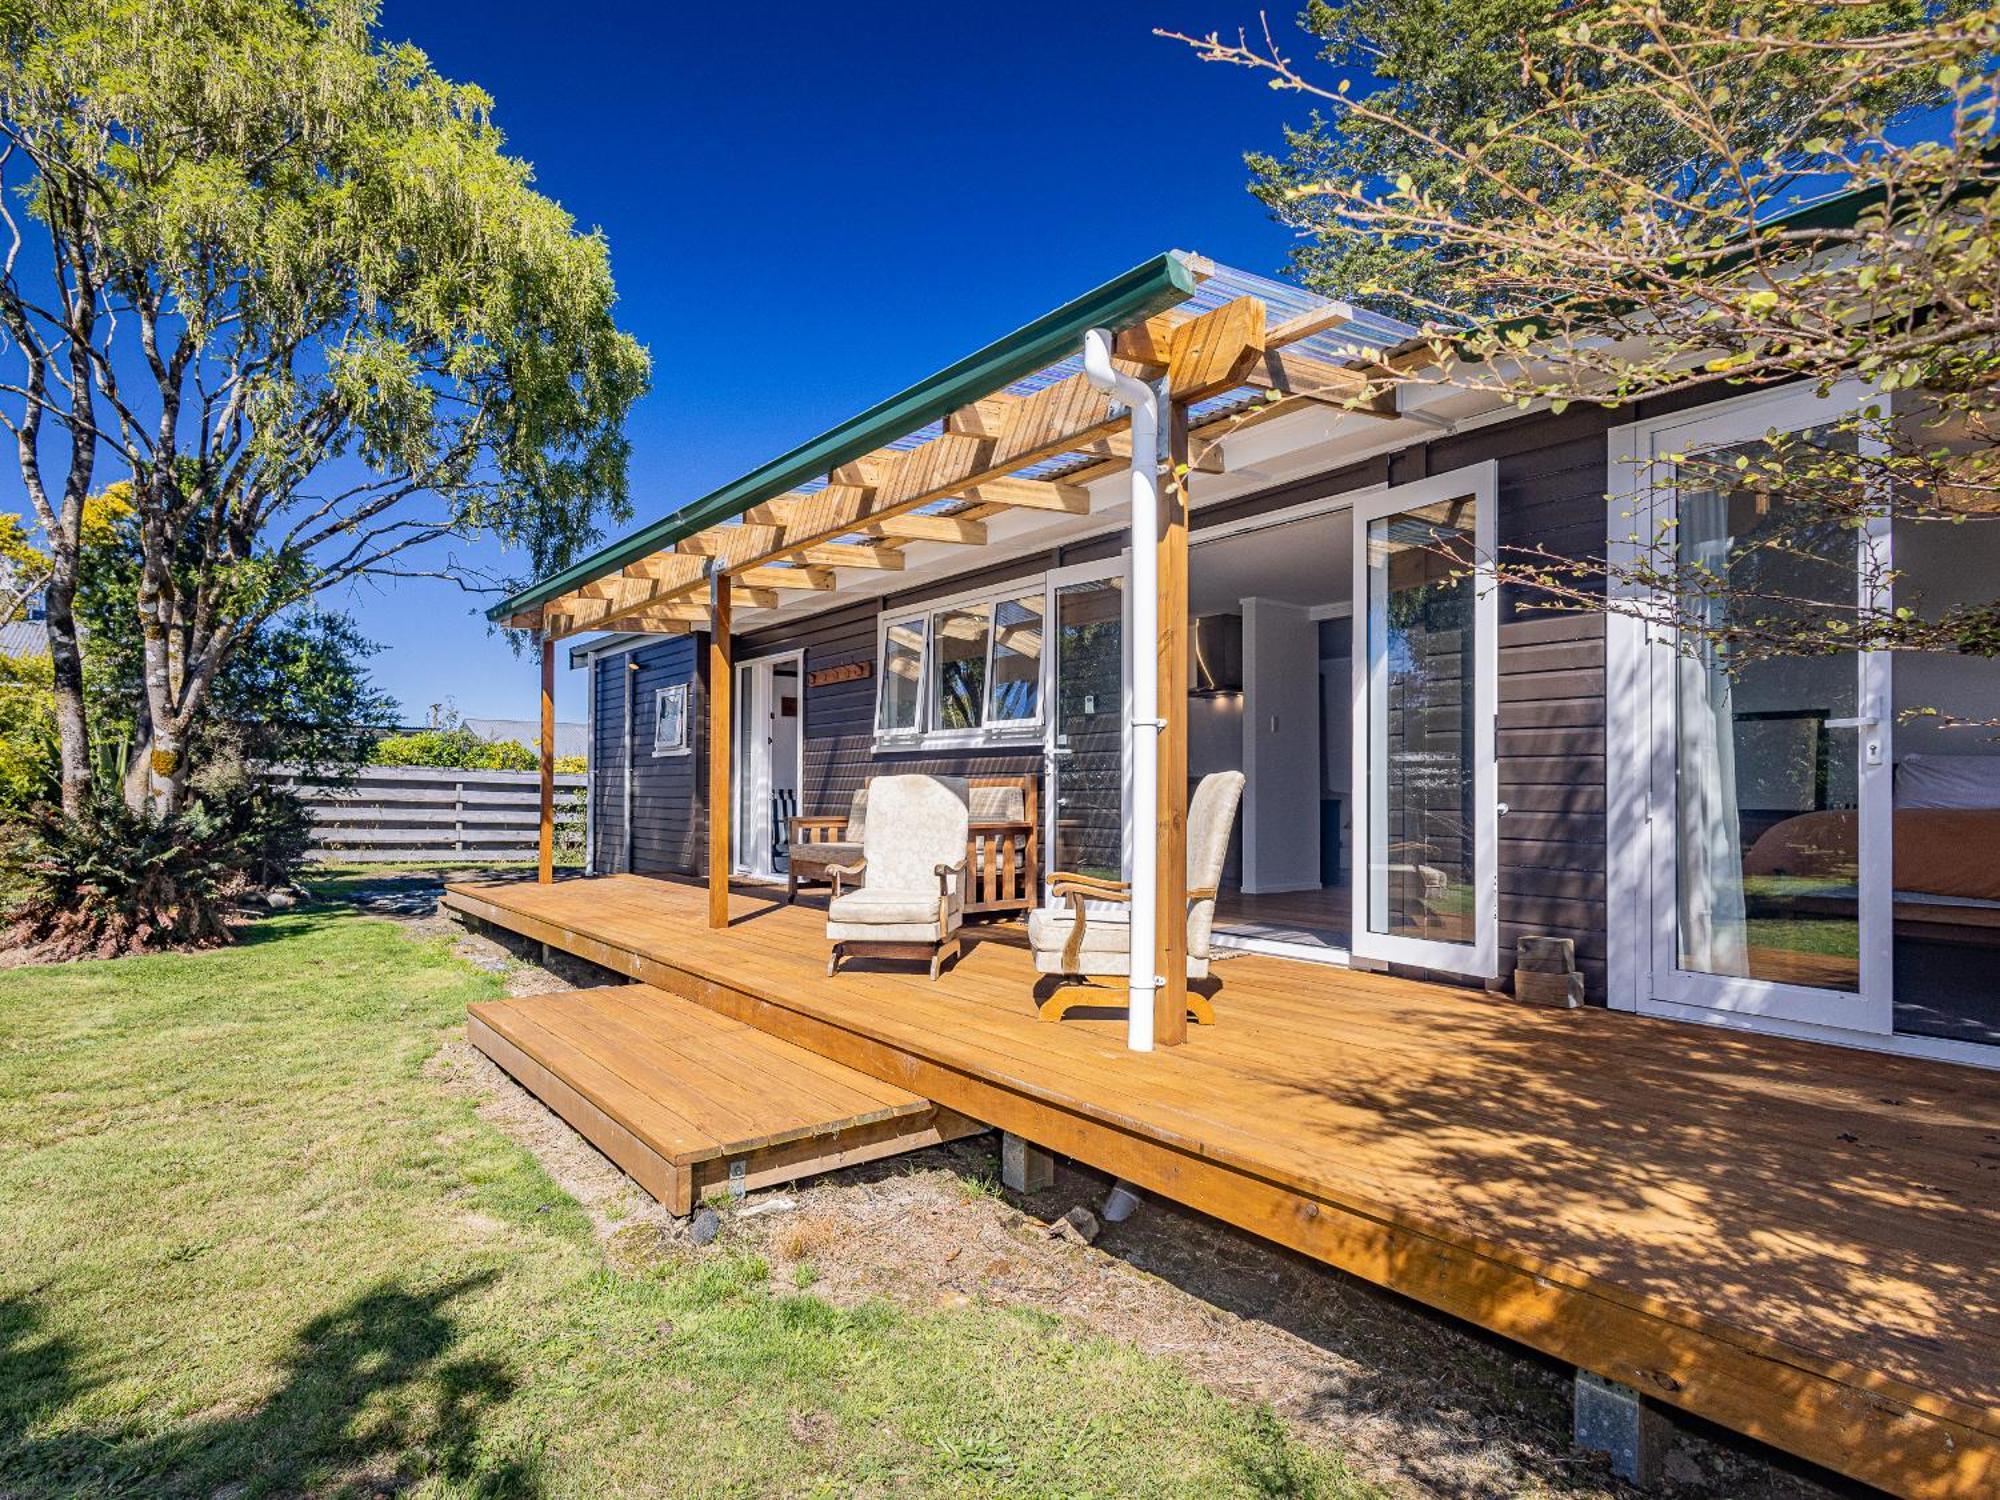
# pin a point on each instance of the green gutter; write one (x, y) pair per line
(1160, 283)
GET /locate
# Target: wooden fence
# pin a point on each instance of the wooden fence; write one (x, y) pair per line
(423, 814)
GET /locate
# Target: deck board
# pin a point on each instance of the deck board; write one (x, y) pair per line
(1796, 1240)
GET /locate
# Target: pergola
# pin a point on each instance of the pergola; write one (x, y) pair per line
(1018, 428)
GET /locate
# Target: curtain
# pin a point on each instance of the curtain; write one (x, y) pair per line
(1710, 842)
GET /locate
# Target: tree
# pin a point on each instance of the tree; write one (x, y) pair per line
(1443, 70)
(1690, 197)
(295, 688)
(283, 278)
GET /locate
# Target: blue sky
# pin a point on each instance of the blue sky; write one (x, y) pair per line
(811, 206)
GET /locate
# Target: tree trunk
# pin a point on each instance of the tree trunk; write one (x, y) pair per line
(66, 658)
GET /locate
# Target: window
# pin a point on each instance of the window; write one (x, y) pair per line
(961, 639)
(670, 715)
(966, 670)
(1016, 696)
(902, 677)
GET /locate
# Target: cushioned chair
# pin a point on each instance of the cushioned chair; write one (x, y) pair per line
(1068, 943)
(913, 857)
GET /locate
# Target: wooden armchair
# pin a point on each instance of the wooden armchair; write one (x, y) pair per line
(820, 843)
(1069, 944)
(913, 855)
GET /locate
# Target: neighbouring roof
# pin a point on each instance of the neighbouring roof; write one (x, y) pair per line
(24, 638)
(571, 738)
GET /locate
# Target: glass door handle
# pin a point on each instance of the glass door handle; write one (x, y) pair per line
(1865, 721)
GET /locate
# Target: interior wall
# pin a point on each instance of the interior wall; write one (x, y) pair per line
(1281, 754)
(1938, 565)
(785, 688)
(1215, 734)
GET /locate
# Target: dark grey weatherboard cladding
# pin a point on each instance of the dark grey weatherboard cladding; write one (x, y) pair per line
(840, 752)
(667, 832)
(1551, 751)
(610, 755)
(1550, 744)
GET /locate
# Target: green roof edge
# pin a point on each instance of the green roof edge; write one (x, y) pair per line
(1149, 288)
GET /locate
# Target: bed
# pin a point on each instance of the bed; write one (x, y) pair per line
(1947, 844)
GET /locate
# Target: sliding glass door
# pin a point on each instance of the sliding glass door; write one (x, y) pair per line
(1086, 749)
(1770, 776)
(1426, 864)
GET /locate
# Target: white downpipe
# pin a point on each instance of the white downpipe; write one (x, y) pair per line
(1143, 400)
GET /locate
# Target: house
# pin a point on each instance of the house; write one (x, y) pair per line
(24, 629)
(1780, 897)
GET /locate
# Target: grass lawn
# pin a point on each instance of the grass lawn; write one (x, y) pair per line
(248, 1247)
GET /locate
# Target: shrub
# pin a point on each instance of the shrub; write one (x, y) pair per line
(459, 749)
(28, 760)
(114, 881)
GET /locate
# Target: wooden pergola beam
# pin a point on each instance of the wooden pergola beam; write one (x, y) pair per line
(1030, 494)
(816, 580)
(851, 555)
(648, 622)
(953, 530)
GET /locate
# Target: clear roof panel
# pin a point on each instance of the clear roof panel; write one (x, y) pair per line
(1365, 334)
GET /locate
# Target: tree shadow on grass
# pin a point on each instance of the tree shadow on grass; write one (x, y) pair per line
(370, 1399)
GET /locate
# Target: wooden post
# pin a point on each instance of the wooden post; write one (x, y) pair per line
(546, 868)
(1170, 999)
(721, 693)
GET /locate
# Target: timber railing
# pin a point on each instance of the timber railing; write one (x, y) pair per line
(421, 814)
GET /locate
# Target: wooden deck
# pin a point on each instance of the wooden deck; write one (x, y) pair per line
(1799, 1242)
(688, 1101)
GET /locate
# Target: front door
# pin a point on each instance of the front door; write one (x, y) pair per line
(1085, 751)
(1769, 780)
(1426, 858)
(765, 778)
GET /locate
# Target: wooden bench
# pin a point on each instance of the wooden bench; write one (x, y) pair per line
(1003, 854)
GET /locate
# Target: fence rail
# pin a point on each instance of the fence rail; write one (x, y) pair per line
(418, 814)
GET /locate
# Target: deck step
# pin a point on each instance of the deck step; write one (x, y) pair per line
(681, 1097)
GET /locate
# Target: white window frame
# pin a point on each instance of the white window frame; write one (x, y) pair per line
(1480, 958)
(686, 697)
(924, 735)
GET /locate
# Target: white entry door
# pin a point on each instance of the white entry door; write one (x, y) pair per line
(768, 761)
(1767, 861)
(1426, 652)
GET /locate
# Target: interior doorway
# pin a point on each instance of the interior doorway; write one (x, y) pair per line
(1270, 695)
(769, 755)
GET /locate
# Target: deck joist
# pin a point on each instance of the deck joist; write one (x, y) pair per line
(1798, 1242)
(688, 1102)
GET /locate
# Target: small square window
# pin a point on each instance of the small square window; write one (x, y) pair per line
(670, 715)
